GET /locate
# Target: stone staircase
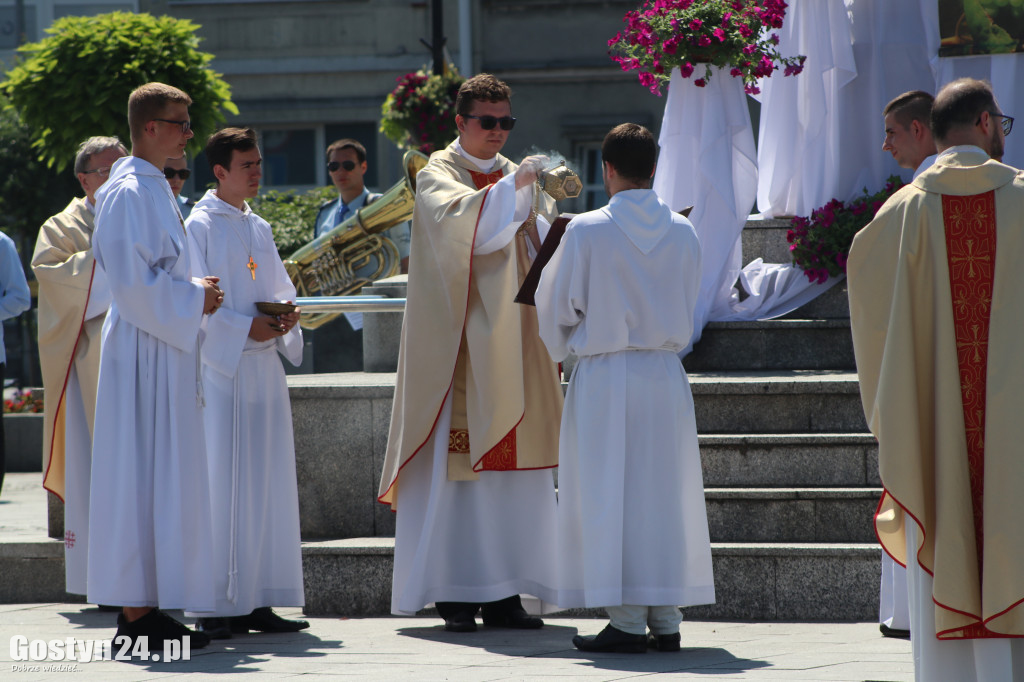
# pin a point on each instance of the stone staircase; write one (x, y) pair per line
(790, 471)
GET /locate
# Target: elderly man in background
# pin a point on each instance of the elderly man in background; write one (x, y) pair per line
(73, 302)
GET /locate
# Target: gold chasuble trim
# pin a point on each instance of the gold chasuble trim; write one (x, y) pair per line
(970, 227)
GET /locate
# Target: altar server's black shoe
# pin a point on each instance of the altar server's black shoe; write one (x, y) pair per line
(158, 628)
(664, 642)
(612, 640)
(214, 628)
(509, 613)
(460, 622)
(264, 619)
(895, 633)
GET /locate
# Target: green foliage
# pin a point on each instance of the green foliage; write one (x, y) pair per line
(420, 112)
(29, 191)
(75, 83)
(292, 216)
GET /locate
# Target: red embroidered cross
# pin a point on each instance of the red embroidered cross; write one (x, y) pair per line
(69, 539)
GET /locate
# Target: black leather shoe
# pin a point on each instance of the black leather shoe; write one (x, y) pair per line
(460, 622)
(264, 619)
(509, 613)
(612, 640)
(664, 642)
(158, 628)
(894, 632)
(214, 628)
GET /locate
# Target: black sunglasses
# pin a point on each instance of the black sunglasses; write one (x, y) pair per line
(183, 173)
(488, 122)
(335, 165)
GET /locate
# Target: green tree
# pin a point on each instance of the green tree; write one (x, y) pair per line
(75, 82)
(292, 216)
(30, 192)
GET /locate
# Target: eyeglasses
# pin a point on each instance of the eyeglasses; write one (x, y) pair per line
(100, 172)
(335, 165)
(1007, 121)
(182, 173)
(488, 122)
(185, 125)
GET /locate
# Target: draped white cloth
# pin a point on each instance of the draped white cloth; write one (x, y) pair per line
(708, 160)
(254, 495)
(149, 530)
(619, 293)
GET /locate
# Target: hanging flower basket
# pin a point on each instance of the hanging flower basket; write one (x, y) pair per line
(663, 34)
(420, 112)
(820, 244)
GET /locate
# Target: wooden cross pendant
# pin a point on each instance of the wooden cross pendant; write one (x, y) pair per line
(252, 268)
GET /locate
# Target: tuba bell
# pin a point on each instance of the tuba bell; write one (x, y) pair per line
(353, 254)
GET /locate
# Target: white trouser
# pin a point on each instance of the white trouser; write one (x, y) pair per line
(662, 620)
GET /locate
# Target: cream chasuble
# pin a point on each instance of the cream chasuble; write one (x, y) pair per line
(935, 283)
(464, 334)
(63, 265)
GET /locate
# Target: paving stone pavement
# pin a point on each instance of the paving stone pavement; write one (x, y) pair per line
(418, 649)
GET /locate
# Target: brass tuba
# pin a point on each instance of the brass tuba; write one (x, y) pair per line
(353, 254)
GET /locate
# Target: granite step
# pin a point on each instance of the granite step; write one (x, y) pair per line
(772, 345)
(826, 515)
(778, 402)
(784, 460)
(352, 578)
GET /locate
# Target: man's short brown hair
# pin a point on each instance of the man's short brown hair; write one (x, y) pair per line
(482, 87)
(148, 102)
(631, 150)
(348, 143)
(915, 105)
(221, 146)
(959, 104)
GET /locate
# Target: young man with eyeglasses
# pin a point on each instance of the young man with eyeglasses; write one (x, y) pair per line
(176, 171)
(73, 301)
(474, 427)
(935, 282)
(150, 544)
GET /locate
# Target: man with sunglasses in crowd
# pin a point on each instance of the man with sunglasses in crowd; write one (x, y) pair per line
(73, 301)
(936, 312)
(176, 171)
(474, 427)
(338, 346)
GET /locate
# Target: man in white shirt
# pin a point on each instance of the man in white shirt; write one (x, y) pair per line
(73, 302)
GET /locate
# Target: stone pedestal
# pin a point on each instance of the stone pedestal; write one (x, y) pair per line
(382, 332)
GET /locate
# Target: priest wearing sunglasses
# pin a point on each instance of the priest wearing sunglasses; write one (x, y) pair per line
(474, 427)
(176, 171)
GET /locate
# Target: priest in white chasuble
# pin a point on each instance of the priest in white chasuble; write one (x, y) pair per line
(73, 302)
(935, 304)
(474, 428)
(150, 544)
(619, 293)
(254, 502)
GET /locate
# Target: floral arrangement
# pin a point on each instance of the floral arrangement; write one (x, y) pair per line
(23, 401)
(821, 243)
(420, 112)
(664, 34)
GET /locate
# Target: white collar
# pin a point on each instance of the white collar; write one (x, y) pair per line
(956, 149)
(485, 165)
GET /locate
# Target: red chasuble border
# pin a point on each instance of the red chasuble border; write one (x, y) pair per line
(64, 387)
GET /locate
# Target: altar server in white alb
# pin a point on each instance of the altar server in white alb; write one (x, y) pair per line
(255, 502)
(619, 293)
(150, 543)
